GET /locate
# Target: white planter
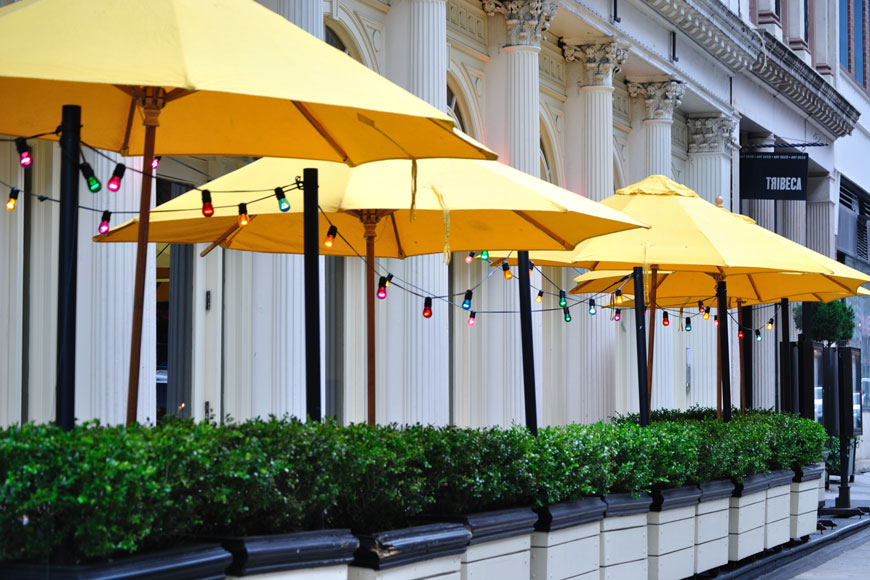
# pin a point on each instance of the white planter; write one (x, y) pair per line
(804, 506)
(430, 552)
(711, 525)
(500, 544)
(318, 555)
(624, 537)
(671, 533)
(565, 544)
(746, 517)
(778, 508)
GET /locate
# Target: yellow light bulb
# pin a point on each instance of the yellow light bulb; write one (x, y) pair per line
(10, 205)
(243, 220)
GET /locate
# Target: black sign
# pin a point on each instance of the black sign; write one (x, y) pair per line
(773, 176)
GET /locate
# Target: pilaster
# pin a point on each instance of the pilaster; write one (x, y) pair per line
(12, 292)
(306, 14)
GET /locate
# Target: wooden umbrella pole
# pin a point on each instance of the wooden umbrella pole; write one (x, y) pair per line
(740, 347)
(652, 331)
(370, 316)
(152, 112)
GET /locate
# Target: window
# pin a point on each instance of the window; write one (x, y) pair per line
(453, 109)
(854, 218)
(853, 39)
(545, 165)
(333, 40)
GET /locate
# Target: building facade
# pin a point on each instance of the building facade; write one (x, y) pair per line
(591, 95)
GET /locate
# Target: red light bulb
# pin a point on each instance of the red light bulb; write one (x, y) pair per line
(427, 308)
(665, 321)
(382, 287)
(207, 207)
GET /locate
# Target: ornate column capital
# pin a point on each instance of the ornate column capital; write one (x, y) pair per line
(600, 60)
(661, 98)
(526, 20)
(714, 134)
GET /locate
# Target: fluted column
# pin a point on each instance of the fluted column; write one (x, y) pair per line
(660, 100)
(763, 211)
(525, 22)
(590, 341)
(12, 293)
(306, 14)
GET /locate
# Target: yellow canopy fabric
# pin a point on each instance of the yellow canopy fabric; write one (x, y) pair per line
(686, 233)
(484, 205)
(676, 289)
(258, 84)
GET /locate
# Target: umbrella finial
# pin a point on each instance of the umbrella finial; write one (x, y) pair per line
(719, 200)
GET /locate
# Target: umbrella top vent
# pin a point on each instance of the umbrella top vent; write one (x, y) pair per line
(656, 185)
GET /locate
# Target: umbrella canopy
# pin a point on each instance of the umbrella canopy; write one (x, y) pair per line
(456, 208)
(686, 233)
(252, 83)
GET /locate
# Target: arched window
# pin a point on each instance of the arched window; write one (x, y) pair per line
(333, 40)
(545, 165)
(453, 109)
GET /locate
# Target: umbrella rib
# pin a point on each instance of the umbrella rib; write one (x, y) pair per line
(838, 283)
(754, 289)
(323, 132)
(220, 240)
(544, 229)
(126, 146)
(396, 234)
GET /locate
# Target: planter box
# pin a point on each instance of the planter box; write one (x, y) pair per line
(202, 562)
(711, 525)
(803, 509)
(671, 533)
(500, 544)
(431, 551)
(565, 543)
(777, 508)
(623, 537)
(746, 517)
(321, 555)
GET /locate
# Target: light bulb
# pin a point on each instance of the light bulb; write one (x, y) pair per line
(688, 324)
(617, 317)
(707, 313)
(207, 207)
(155, 162)
(563, 301)
(665, 320)
(104, 222)
(427, 307)
(389, 280)
(567, 314)
(540, 297)
(13, 198)
(25, 159)
(770, 324)
(329, 240)
(117, 175)
(757, 336)
(471, 318)
(716, 320)
(88, 172)
(243, 215)
(618, 295)
(507, 271)
(740, 333)
(466, 304)
(531, 268)
(484, 255)
(592, 309)
(382, 287)
(283, 204)
(469, 258)
(700, 306)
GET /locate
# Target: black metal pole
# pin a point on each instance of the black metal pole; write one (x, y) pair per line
(70, 140)
(787, 386)
(528, 347)
(312, 293)
(746, 371)
(722, 295)
(640, 327)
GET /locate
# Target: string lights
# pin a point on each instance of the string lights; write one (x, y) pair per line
(243, 215)
(88, 172)
(700, 306)
(665, 320)
(740, 333)
(283, 204)
(563, 300)
(617, 317)
(389, 279)
(540, 297)
(114, 183)
(531, 268)
(567, 314)
(207, 207)
(472, 318)
(469, 258)
(155, 162)
(466, 304)
(329, 240)
(507, 270)
(757, 335)
(617, 296)
(13, 198)
(382, 287)
(427, 307)
(104, 222)
(592, 309)
(688, 324)
(770, 324)
(707, 314)
(484, 255)
(25, 158)
(715, 320)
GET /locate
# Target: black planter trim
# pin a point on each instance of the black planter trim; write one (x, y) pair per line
(570, 513)
(808, 473)
(495, 525)
(675, 497)
(261, 554)
(719, 489)
(752, 484)
(624, 504)
(393, 548)
(200, 562)
(781, 477)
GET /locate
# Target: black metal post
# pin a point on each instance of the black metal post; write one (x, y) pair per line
(722, 295)
(310, 222)
(747, 359)
(528, 347)
(787, 388)
(70, 140)
(640, 327)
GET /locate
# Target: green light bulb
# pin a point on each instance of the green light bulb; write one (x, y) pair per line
(567, 315)
(563, 301)
(484, 255)
(94, 184)
(283, 204)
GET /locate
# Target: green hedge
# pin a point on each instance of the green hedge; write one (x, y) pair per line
(112, 490)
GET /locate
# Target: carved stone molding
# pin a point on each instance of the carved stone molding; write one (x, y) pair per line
(526, 20)
(711, 134)
(601, 61)
(660, 98)
(791, 77)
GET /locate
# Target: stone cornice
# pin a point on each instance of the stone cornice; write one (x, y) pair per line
(526, 20)
(794, 79)
(712, 25)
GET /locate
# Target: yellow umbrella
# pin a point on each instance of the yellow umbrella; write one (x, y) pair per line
(457, 209)
(221, 77)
